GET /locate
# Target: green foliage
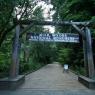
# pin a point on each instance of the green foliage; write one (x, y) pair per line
(65, 56)
(5, 58)
(70, 9)
(6, 9)
(39, 53)
(42, 52)
(37, 14)
(10, 9)
(29, 67)
(75, 10)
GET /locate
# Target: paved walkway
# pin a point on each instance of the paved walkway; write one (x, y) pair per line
(50, 80)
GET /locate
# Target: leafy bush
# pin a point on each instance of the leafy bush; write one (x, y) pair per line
(65, 56)
(29, 67)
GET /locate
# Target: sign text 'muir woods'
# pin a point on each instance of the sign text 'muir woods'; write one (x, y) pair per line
(55, 37)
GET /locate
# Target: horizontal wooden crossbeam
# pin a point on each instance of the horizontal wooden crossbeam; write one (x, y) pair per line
(54, 23)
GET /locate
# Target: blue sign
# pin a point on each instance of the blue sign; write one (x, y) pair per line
(55, 37)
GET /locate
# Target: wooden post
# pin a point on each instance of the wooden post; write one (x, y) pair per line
(14, 70)
(85, 58)
(88, 55)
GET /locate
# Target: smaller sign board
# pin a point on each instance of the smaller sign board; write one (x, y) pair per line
(55, 37)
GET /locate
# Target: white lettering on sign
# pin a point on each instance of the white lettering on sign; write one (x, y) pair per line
(56, 37)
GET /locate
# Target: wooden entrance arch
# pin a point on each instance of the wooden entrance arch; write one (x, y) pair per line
(84, 32)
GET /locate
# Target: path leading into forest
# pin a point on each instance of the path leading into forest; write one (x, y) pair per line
(50, 80)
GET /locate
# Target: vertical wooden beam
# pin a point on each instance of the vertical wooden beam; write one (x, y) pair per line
(14, 70)
(85, 58)
(88, 54)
